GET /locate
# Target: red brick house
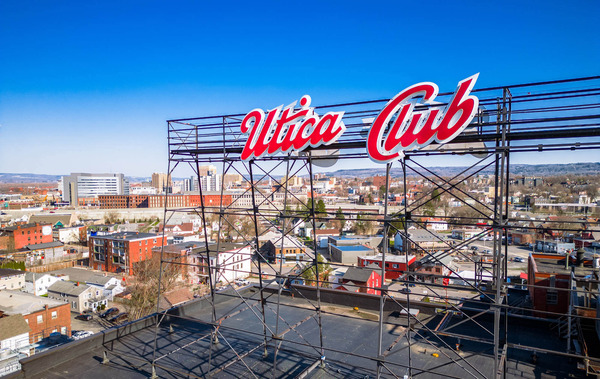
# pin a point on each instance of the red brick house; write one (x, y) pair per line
(44, 316)
(550, 276)
(118, 252)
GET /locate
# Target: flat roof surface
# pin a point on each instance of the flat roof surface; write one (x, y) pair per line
(15, 302)
(352, 248)
(127, 236)
(349, 340)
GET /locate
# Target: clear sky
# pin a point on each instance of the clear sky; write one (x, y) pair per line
(86, 86)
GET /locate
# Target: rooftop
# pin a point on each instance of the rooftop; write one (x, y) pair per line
(352, 248)
(186, 350)
(128, 236)
(6, 272)
(45, 245)
(390, 258)
(69, 288)
(17, 302)
(13, 326)
(22, 226)
(555, 264)
(84, 275)
(358, 274)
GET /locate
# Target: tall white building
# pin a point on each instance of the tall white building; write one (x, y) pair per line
(85, 185)
(210, 182)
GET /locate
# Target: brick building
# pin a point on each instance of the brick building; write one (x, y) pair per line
(158, 201)
(118, 252)
(20, 236)
(550, 275)
(44, 316)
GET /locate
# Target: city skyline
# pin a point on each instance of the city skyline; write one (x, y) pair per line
(89, 88)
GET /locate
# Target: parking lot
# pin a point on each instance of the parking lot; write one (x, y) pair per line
(96, 324)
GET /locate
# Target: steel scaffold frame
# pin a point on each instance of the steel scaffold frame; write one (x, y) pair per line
(561, 117)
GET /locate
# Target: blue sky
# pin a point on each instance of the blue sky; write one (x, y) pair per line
(87, 86)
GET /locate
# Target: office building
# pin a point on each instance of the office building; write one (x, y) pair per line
(85, 185)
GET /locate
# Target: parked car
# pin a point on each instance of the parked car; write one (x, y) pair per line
(474, 248)
(81, 334)
(109, 312)
(405, 290)
(84, 317)
(121, 317)
(519, 259)
(242, 282)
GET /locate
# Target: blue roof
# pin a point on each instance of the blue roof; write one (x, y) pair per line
(353, 248)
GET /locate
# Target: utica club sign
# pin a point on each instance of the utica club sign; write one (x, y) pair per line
(397, 128)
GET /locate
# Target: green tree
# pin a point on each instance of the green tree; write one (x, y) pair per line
(309, 271)
(320, 209)
(396, 224)
(340, 219)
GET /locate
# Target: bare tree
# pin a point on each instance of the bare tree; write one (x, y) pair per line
(146, 286)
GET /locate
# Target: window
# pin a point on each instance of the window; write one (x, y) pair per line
(40, 319)
(395, 265)
(54, 315)
(551, 297)
(63, 330)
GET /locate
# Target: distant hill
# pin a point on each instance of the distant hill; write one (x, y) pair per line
(515, 170)
(28, 178)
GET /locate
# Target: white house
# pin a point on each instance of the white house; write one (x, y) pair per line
(109, 285)
(67, 235)
(38, 284)
(80, 296)
(231, 262)
(14, 339)
(11, 279)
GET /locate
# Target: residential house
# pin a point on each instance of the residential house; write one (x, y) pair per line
(436, 224)
(71, 234)
(361, 279)
(174, 298)
(108, 284)
(230, 262)
(274, 246)
(420, 241)
(550, 276)
(38, 284)
(11, 279)
(432, 268)
(43, 315)
(14, 343)
(81, 297)
(395, 265)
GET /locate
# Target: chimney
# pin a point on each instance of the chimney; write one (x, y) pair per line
(580, 253)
